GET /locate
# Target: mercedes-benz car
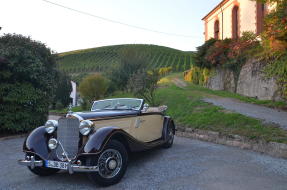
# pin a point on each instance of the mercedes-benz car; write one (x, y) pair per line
(99, 141)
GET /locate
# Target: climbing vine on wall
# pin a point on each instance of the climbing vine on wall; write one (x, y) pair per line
(274, 43)
(228, 53)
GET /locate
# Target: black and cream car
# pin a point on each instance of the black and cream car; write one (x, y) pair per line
(98, 142)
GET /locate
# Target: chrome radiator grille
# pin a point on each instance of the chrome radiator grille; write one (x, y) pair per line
(68, 136)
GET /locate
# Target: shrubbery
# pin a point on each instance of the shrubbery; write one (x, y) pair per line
(228, 53)
(93, 87)
(197, 75)
(26, 83)
(143, 85)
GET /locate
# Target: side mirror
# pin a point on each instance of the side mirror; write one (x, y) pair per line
(145, 107)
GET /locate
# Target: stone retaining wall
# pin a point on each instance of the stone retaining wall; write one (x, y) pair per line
(270, 148)
(252, 82)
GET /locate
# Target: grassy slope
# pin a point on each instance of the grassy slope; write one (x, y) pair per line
(102, 58)
(186, 107)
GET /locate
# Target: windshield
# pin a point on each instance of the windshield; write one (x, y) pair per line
(117, 104)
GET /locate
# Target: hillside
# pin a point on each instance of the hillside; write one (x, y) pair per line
(102, 58)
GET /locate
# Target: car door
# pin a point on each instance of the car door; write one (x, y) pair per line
(148, 127)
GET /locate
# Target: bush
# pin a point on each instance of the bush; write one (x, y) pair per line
(197, 75)
(93, 87)
(26, 83)
(199, 58)
(143, 84)
(228, 53)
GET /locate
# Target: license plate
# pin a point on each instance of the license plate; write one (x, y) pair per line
(56, 164)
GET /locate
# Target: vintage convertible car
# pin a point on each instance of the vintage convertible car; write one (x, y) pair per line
(98, 142)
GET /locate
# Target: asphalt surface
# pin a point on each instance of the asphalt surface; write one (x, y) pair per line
(268, 115)
(189, 164)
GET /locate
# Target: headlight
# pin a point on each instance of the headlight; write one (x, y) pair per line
(53, 143)
(85, 127)
(51, 126)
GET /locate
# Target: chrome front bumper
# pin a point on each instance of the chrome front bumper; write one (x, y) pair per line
(71, 167)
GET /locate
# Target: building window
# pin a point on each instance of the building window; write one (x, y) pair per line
(216, 30)
(260, 10)
(235, 23)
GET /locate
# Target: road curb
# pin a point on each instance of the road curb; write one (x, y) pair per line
(271, 148)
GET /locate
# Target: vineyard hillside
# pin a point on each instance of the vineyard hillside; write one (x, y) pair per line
(101, 59)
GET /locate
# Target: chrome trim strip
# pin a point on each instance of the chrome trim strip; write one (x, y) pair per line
(31, 163)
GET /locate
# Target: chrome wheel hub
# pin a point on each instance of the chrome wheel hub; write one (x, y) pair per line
(110, 163)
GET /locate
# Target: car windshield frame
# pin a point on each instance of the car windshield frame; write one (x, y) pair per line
(121, 107)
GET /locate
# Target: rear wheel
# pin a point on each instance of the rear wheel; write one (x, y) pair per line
(112, 163)
(170, 136)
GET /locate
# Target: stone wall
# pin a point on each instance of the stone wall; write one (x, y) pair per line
(221, 79)
(252, 82)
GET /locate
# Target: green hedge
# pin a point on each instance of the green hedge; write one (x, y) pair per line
(26, 83)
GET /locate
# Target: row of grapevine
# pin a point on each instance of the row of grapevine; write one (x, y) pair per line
(104, 58)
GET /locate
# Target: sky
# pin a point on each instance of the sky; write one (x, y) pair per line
(65, 30)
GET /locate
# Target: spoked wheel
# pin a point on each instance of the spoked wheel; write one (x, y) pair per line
(42, 171)
(112, 163)
(170, 136)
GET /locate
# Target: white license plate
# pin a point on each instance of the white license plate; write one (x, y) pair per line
(56, 164)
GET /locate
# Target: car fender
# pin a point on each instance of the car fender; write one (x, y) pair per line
(36, 142)
(99, 138)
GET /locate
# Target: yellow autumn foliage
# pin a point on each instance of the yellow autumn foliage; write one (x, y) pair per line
(197, 75)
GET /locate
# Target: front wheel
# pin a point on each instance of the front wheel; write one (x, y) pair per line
(112, 163)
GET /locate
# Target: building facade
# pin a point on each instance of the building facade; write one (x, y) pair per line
(230, 18)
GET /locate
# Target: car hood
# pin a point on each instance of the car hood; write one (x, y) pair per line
(105, 114)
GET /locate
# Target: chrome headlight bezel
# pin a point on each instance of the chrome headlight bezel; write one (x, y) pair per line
(85, 127)
(52, 143)
(51, 126)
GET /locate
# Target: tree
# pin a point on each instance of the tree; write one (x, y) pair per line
(129, 64)
(27, 81)
(63, 90)
(143, 84)
(199, 58)
(93, 87)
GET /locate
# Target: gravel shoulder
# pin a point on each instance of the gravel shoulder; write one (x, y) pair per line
(189, 164)
(268, 115)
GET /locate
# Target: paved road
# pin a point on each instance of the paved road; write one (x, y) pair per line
(268, 115)
(189, 164)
